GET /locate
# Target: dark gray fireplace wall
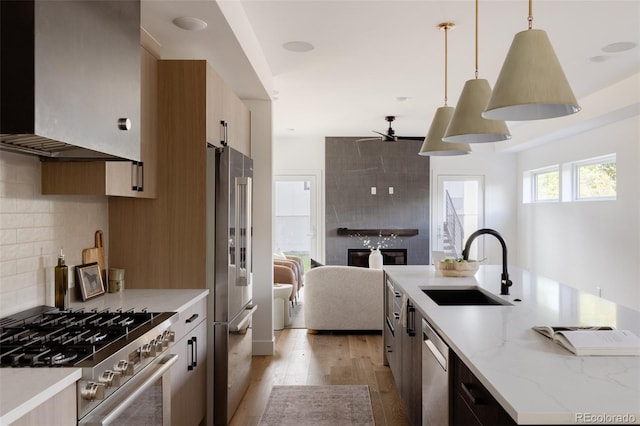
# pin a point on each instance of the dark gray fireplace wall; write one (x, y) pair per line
(352, 169)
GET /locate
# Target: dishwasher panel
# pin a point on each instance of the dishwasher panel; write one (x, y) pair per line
(435, 378)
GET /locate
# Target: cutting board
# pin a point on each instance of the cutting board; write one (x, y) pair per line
(96, 254)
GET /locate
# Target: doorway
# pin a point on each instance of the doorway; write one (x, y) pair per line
(465, 195)
(296, 228)
(295, 218)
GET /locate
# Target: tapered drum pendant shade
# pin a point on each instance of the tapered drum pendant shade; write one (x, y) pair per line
(433, 144)
(467, 124)
(531, 84)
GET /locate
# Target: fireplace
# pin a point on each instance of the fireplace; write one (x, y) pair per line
(392, 256)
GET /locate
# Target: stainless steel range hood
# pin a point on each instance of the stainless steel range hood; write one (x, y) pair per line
(70, 76)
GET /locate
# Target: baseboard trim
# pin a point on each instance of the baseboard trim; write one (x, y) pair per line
(264, 347)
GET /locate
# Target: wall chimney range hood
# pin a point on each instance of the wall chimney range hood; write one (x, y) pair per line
(70, 78)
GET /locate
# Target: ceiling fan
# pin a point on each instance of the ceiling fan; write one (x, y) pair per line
(390, 135)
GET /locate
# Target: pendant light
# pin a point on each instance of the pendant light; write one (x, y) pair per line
(433, 144)
(467, 124)
(531, 84)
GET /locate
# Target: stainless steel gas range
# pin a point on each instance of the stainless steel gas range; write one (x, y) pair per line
(123, 356)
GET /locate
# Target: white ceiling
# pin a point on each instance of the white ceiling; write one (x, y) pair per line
(368, 54)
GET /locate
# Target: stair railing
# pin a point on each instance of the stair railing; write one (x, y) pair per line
(453, 225)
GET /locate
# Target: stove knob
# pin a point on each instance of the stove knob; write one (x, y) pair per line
(169, 335)
(157, 344)
(110, 378)
(92, 391)
(124, 367)
(162, 341)
(148, 350)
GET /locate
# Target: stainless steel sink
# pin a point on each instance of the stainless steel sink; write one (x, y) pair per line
(469, 296)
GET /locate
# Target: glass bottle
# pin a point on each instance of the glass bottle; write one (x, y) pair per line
(61, 283)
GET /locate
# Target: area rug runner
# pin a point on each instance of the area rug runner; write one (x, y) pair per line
(340, 405)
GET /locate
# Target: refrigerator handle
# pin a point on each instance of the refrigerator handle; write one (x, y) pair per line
(243, 321)
(243, 231)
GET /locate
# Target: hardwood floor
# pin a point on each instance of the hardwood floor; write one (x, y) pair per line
(323, 359)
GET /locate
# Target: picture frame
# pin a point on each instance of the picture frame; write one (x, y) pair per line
(90, 281)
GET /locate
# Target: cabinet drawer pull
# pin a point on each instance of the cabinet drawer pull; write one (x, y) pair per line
(411, 319)
(192, 318)
(140, 176)
(190, 344)
(223, 133)
(194, 347)
(468, 394)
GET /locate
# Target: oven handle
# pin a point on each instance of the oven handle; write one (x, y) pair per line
(162, 367)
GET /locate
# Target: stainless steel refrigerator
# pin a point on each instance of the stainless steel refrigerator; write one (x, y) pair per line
(229, 279)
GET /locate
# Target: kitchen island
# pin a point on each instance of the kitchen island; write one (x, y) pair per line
(24, 389)
(534, 380)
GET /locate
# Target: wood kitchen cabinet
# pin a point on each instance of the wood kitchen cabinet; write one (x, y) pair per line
(162, 242)
(117, 178)
(237, 120)
(411, 389)
(61, 407)
(392, 330)
(403, 350)
(471, 402)
(188, 378)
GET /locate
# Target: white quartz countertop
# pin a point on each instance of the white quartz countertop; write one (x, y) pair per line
(165, 300)
(535, 380)
(23, 389)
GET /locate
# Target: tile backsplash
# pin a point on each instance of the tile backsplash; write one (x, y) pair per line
(33, 229)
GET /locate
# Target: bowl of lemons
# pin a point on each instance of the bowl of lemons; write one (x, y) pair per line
(458, 267)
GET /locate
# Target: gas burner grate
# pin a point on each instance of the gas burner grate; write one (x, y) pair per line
(45, 337)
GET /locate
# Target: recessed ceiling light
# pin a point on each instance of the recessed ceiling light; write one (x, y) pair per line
(599, 58)
(298, 46)
(190, 23)
(402, 98)
(620, 46)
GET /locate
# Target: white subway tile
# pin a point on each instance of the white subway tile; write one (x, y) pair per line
(7, 269)
(26, 235)
(33, 205)
(7, 236)
(28, 264)
(15, 220)
(7, 205)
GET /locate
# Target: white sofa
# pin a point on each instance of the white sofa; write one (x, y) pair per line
(343, 298)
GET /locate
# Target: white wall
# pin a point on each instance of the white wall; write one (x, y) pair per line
(33, 227)
(262, 154)
(587, 244)
(298, 154)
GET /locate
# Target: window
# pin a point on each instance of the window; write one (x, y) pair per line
(595, 179)
(583, 180)
(546, 184)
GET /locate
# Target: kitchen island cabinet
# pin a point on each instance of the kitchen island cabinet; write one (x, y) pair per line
(472, 403)
(403, 348)
(531, 379)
